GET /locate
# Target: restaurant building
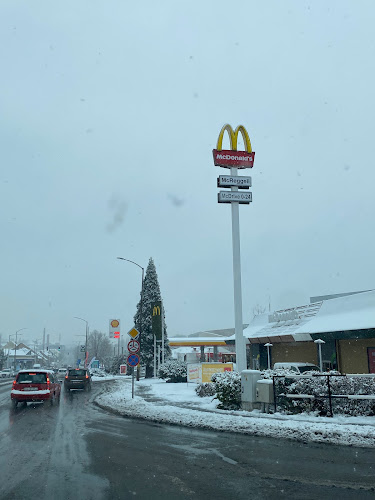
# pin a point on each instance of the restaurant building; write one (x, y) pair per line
(345, 322)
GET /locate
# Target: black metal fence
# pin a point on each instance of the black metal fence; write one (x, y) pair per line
(325, 394)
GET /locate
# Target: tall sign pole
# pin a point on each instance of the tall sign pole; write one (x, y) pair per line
(234, 160)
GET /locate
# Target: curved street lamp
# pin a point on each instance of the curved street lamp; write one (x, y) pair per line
(15, 345)
(87, 332)
(140, 316)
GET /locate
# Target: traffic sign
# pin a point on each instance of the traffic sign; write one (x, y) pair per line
(234, 196)
(83, 348)
(133, 360)
(133, 333)
(114, 328)
(133, 346)
(233, 180)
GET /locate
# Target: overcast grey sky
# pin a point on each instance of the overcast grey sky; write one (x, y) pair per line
(109, 114)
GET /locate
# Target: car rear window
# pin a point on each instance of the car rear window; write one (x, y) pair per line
(73, 373)
(32, 377)
(303, 369)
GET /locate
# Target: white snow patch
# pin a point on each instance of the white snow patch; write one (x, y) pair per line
(202, 412)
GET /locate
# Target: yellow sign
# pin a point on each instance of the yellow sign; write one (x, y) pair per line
(233, 137)
(114, 323)
(156, 311)
(133, 333)
(208, 369)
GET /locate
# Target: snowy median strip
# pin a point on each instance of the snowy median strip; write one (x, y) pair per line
(339, 430)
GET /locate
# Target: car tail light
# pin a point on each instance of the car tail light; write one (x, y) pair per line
(47, 381)
(14, 382)
(66, 376)
(87, 376)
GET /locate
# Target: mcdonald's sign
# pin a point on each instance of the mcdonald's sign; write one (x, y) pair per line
(229, 158)
(157, 318)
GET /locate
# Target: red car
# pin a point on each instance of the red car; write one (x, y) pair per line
(35, 385)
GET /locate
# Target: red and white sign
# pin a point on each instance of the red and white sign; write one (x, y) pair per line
(133, 346)
(228, 158)
(123, 369)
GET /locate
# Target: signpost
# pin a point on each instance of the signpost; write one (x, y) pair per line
(234, 160)
(230, 196)
(133, 359)
(133, 348)
(229, 181)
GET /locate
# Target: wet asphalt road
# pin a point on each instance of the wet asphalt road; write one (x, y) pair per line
(75, 450)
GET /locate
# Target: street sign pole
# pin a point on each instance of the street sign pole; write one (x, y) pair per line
(240, 339)
(162, 333)
(154, 356)
(133, 382)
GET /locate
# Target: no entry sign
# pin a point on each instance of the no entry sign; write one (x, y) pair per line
(133, 346)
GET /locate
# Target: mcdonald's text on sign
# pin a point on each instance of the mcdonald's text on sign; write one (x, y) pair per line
(234, 196)
(229, 158)
(229, 181)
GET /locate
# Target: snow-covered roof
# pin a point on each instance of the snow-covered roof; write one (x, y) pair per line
(353, 312)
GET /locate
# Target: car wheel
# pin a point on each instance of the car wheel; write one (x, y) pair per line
(14, 403)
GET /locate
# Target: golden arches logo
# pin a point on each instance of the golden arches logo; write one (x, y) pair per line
(233, 138)
(156, 311)
(232, 158)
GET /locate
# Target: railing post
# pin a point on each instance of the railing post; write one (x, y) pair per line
(329, 395)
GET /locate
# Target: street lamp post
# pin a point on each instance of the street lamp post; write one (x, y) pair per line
(87, 333)
(15, 346)
(140, 316)
(320, 342)
(268, 345)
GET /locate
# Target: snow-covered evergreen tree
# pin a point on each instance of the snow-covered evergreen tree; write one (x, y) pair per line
(151, 294)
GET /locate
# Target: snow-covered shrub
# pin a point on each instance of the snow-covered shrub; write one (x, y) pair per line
(173, 370)
(317, 386)
(228, 389)
(205, 389)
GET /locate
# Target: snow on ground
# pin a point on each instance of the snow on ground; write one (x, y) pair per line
(178, 404)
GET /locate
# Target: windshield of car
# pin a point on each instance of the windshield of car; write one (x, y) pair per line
(32, 377)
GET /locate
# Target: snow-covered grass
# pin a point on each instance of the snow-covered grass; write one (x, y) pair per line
(178, 404)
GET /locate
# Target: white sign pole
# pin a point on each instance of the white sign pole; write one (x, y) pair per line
(240, 340)
(162, 333)
(154, 356)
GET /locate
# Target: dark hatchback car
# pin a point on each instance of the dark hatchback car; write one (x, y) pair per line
(78, 378)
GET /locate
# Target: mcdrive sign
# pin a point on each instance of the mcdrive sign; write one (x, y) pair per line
(229, 158)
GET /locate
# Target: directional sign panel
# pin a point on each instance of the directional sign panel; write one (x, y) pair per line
(234, 180)
(133, 360)
(133, 333)
(234, 196)
(83, 348)
(133, 346)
